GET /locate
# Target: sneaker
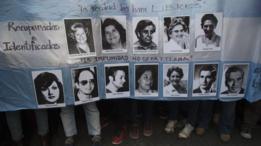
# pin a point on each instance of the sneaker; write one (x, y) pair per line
(147, 129)
(118, 138)
(69, 141)
(186, 131)
(170, 126)
(225, 137)
(96, 140)
(246, 133)
(134, 132)
(200, 131)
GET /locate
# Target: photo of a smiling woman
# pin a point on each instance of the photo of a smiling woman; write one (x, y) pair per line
(146, 78)
(113, 35)
(79, 37)
(48, 88)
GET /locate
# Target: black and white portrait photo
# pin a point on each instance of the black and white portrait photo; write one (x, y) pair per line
(204, 82)
(145, 35)
(208, 32)
(85, 85)
(113, 31)
(48, 85)
(175, 80)
(234, 80)
(117, 80)
(176, 32)
(79, 33)
(146, 79)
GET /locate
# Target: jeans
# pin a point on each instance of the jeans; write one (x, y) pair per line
(14, 123)
(92, 116)
(200, 113)
(227, 116)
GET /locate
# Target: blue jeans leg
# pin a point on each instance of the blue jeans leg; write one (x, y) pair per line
(92, 116)
(68, 121)
(227, 118)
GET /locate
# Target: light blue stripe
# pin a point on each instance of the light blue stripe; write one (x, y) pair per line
(58, 10)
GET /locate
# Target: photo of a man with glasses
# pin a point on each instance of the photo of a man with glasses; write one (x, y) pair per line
(85, 84)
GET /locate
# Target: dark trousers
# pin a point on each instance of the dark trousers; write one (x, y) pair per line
(145, 107)
(227, 116)
(252, 113)
(200, 113)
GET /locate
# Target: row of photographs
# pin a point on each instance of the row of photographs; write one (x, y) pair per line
(175, 80)
(146, 35)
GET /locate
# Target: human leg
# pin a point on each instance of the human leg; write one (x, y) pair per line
(14, 123)
(250, 118)
(92, 116)
(227, 117)
(205, 114)
(147, 117)
(43, 126)
(191, 119)
(120, 108)
(69, 124)
(173, 107)
(134, 128)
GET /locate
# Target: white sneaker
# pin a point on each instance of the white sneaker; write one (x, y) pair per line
(246, 135)
(186, 131)
(170, 126)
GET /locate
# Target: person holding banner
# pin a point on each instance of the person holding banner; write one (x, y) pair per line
(83, 77)
(175, 74)
(234, 77)
(145, 79)
(113, 35)
(200, 112)
(115, 87)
